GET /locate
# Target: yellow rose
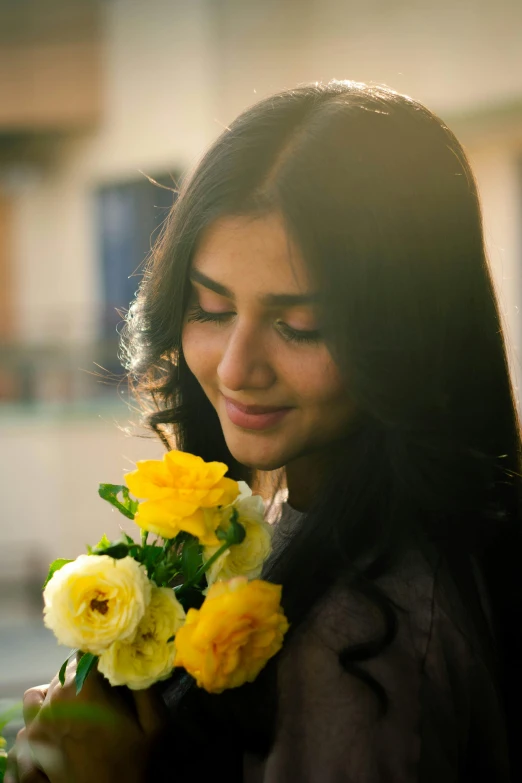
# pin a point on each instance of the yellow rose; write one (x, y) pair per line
(149, 657)
(3, 743)
(96, 600)
(227, 642)
(181, 492)
(246, 558)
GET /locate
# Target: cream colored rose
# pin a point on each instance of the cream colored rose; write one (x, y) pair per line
(149, 657)
(247, 558)
(96, 600)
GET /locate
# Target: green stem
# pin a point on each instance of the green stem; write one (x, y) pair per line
(167, 544)
(144, 537)
(202, 569)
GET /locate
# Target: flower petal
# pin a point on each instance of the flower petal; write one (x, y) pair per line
(239, 627)
(149, 477)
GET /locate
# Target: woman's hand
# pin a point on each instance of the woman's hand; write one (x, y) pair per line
(101, 735)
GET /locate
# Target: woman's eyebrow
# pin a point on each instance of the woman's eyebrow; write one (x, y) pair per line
(288, 300)
(271, 300)
(198, 277)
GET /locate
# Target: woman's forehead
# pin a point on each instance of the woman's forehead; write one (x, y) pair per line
(244, 252)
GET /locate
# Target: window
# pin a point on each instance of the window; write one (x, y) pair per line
(129, 216)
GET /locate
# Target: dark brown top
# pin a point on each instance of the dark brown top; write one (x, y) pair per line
(445, 720)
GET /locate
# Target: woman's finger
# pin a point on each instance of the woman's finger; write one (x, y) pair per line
(20, 764)
(11, 772)
(33, 700)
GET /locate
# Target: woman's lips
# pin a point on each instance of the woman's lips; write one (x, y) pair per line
(254, 417)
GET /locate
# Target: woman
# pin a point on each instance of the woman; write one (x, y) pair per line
(320, 302)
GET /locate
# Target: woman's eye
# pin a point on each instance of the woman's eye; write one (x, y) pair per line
(196, 313)
(298, 335)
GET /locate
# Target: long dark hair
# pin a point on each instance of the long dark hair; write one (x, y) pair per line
(378, 195)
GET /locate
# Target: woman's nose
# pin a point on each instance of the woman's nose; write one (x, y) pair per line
(245, 361)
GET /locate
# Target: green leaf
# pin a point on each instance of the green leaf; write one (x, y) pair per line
(103, 543)
(118, 550)
(3, 766)
(162, 575)
(148, 555)
(110, 492)
(54, 567)
(131, 504)
(100, 547)
(189, 584)
(190, 558)
(85, 664)
(237, 534)
(61, 673)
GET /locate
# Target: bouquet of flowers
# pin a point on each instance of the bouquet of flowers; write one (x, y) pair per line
(190, 597)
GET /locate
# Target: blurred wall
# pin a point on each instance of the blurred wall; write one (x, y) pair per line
(451, 55)
(50, 483)
(157, 112)
(176, 73)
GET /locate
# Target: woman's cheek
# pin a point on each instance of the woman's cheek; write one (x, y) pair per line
(319, 379)
(202, 350)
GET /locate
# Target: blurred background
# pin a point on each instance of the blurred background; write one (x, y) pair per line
(98, 95)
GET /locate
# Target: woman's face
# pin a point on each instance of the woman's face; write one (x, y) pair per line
(251, 337)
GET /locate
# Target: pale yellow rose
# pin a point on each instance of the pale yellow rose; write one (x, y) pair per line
(149, 657)
(180, 493)
(227, 642)
(246, 558)
(95, 600)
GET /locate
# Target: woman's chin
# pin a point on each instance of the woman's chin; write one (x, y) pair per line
(258, 456)
(259, 463)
